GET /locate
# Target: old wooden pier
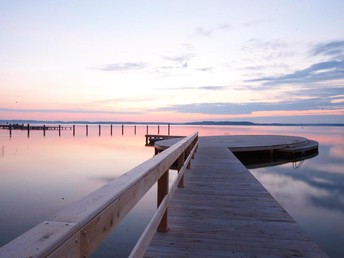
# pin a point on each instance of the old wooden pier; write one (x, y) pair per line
(214, 208)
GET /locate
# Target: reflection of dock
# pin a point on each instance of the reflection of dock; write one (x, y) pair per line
(213, 208)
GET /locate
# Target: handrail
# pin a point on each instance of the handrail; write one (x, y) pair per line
(148, 234)
(77, 230)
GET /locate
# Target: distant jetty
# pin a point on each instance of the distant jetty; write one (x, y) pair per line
(33, 127)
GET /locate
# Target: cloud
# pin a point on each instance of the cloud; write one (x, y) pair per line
(102, 102)
(273, 49)
(208, 32)
(205, 69)
(122, 67)
(71, 111)
(255, 22)
(210, 88)
(274, 45)
(323, 71)
(248, 108)
(332, 49)
(204, 32)
(181, 66)
(180, 59)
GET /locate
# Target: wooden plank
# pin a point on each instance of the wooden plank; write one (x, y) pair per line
(36, 241)
(223, 211)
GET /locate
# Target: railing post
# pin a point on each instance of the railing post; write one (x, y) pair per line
(180, 163)
(193, 144)
(187, 153)
(162, 192)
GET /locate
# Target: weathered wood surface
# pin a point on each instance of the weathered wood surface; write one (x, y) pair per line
(223, 211)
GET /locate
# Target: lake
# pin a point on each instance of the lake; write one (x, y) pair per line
(40, 175)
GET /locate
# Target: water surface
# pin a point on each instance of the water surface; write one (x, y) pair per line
(40, 175)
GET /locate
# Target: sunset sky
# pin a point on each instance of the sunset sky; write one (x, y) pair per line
(172, 61)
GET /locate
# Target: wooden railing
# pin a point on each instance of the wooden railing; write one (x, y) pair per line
(76, 231)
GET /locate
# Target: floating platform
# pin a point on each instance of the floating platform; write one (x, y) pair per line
(290, 145)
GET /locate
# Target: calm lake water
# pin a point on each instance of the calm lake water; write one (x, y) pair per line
(40, 175)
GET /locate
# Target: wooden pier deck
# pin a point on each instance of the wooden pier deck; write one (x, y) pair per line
(223, 211)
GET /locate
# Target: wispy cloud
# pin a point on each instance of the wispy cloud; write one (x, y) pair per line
(204, 31)
(205, 69)
(323, 71)
(331, 49)
(209, 88)
(272, 49)
(248, 108)
(255, 22)
(71, 111)
(122, 66)
(209, 31)
(177, 61)
(179, 66)
(180, 59)
(104, 102)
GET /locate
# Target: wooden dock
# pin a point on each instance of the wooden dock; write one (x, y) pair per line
(223, 211)
(34, 127)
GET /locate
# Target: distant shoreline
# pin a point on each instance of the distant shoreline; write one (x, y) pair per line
(233, 123)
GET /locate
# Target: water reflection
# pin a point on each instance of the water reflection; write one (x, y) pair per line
(314, 193)
(260, 159)
(41, 175)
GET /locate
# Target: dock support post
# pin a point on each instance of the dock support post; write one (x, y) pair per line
(44, 130)
(135, 129)
(59, 130)
(162, 191)
(111, 129)
(158, 129)
(169, 129)
(122, 129)
(187, 153)
(147, 129)
(86, 130)
(100, 130)
(73, 130)
(28, 130)
(10, 128)
(180, 164)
